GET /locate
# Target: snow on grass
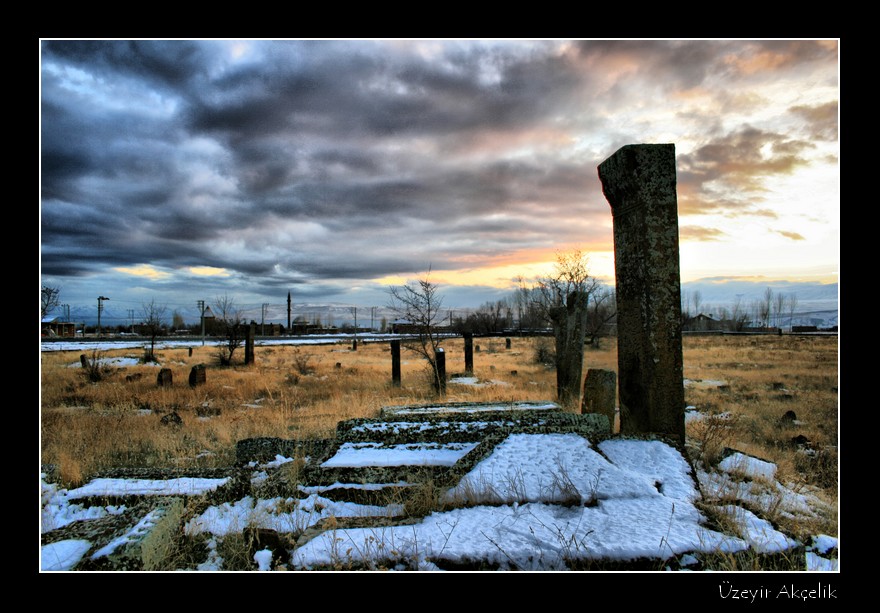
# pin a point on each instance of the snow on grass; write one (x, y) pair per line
(115, 362)
(57, 511)
(105, 345)
(759, 533)
(476, 382)
(703, 383)
(183, 486)
(818, 563)
(413, 454)
(63, 555)
(692, 414)
(748, 466)
(759, 494)
(279, 514)
(824, 543)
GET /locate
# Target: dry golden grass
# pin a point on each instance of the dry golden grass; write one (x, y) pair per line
(303, 392)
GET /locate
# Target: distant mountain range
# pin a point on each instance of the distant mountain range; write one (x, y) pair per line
(726, 291)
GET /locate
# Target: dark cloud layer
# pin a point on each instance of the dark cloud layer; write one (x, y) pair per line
(317, 162)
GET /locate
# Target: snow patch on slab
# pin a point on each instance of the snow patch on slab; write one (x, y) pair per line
(414, 454)
(532, 536)
(63, 555)
(183, 486)
(280, 514)
(548, 467)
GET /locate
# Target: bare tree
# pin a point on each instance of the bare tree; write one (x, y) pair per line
(697, 300)
(177, 321)
(49, 299)
(792, 305)
(779, 307)
(738, 315)
(764, 307)
(153, 323)
(603, 310)
(565, 296)
(419, 304)
(229, 321)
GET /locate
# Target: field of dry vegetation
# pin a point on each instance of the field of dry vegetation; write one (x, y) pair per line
(748, 383)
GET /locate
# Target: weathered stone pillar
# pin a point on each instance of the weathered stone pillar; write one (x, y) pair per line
(640, 184)
(164, 378)
(395, 363)
(468, 353)
(507, 343)
(250, 331)
(84, 362)
(600, 393)
(440, 383)
(354, 344)
(190, 351)
(197, 375)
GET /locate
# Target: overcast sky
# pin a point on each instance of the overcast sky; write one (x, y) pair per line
(182, 170)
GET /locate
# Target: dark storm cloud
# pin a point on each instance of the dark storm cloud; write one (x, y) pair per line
(320, 161)
(166, 63)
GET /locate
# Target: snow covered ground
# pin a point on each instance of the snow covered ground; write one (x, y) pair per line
(108, 344)
(537, 502)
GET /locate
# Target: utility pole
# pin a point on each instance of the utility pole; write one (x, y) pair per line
(263, 319)
(101, 300)
(372, 318)
(355, 311)
(131, 320)
(201, 305)
(288, 312)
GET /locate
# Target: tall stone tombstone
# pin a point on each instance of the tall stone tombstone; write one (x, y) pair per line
(468, 353)
(250, 331)
(639, 182)
(395, 363)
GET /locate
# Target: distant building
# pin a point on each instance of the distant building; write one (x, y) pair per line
(701, 323)
(52, 327)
